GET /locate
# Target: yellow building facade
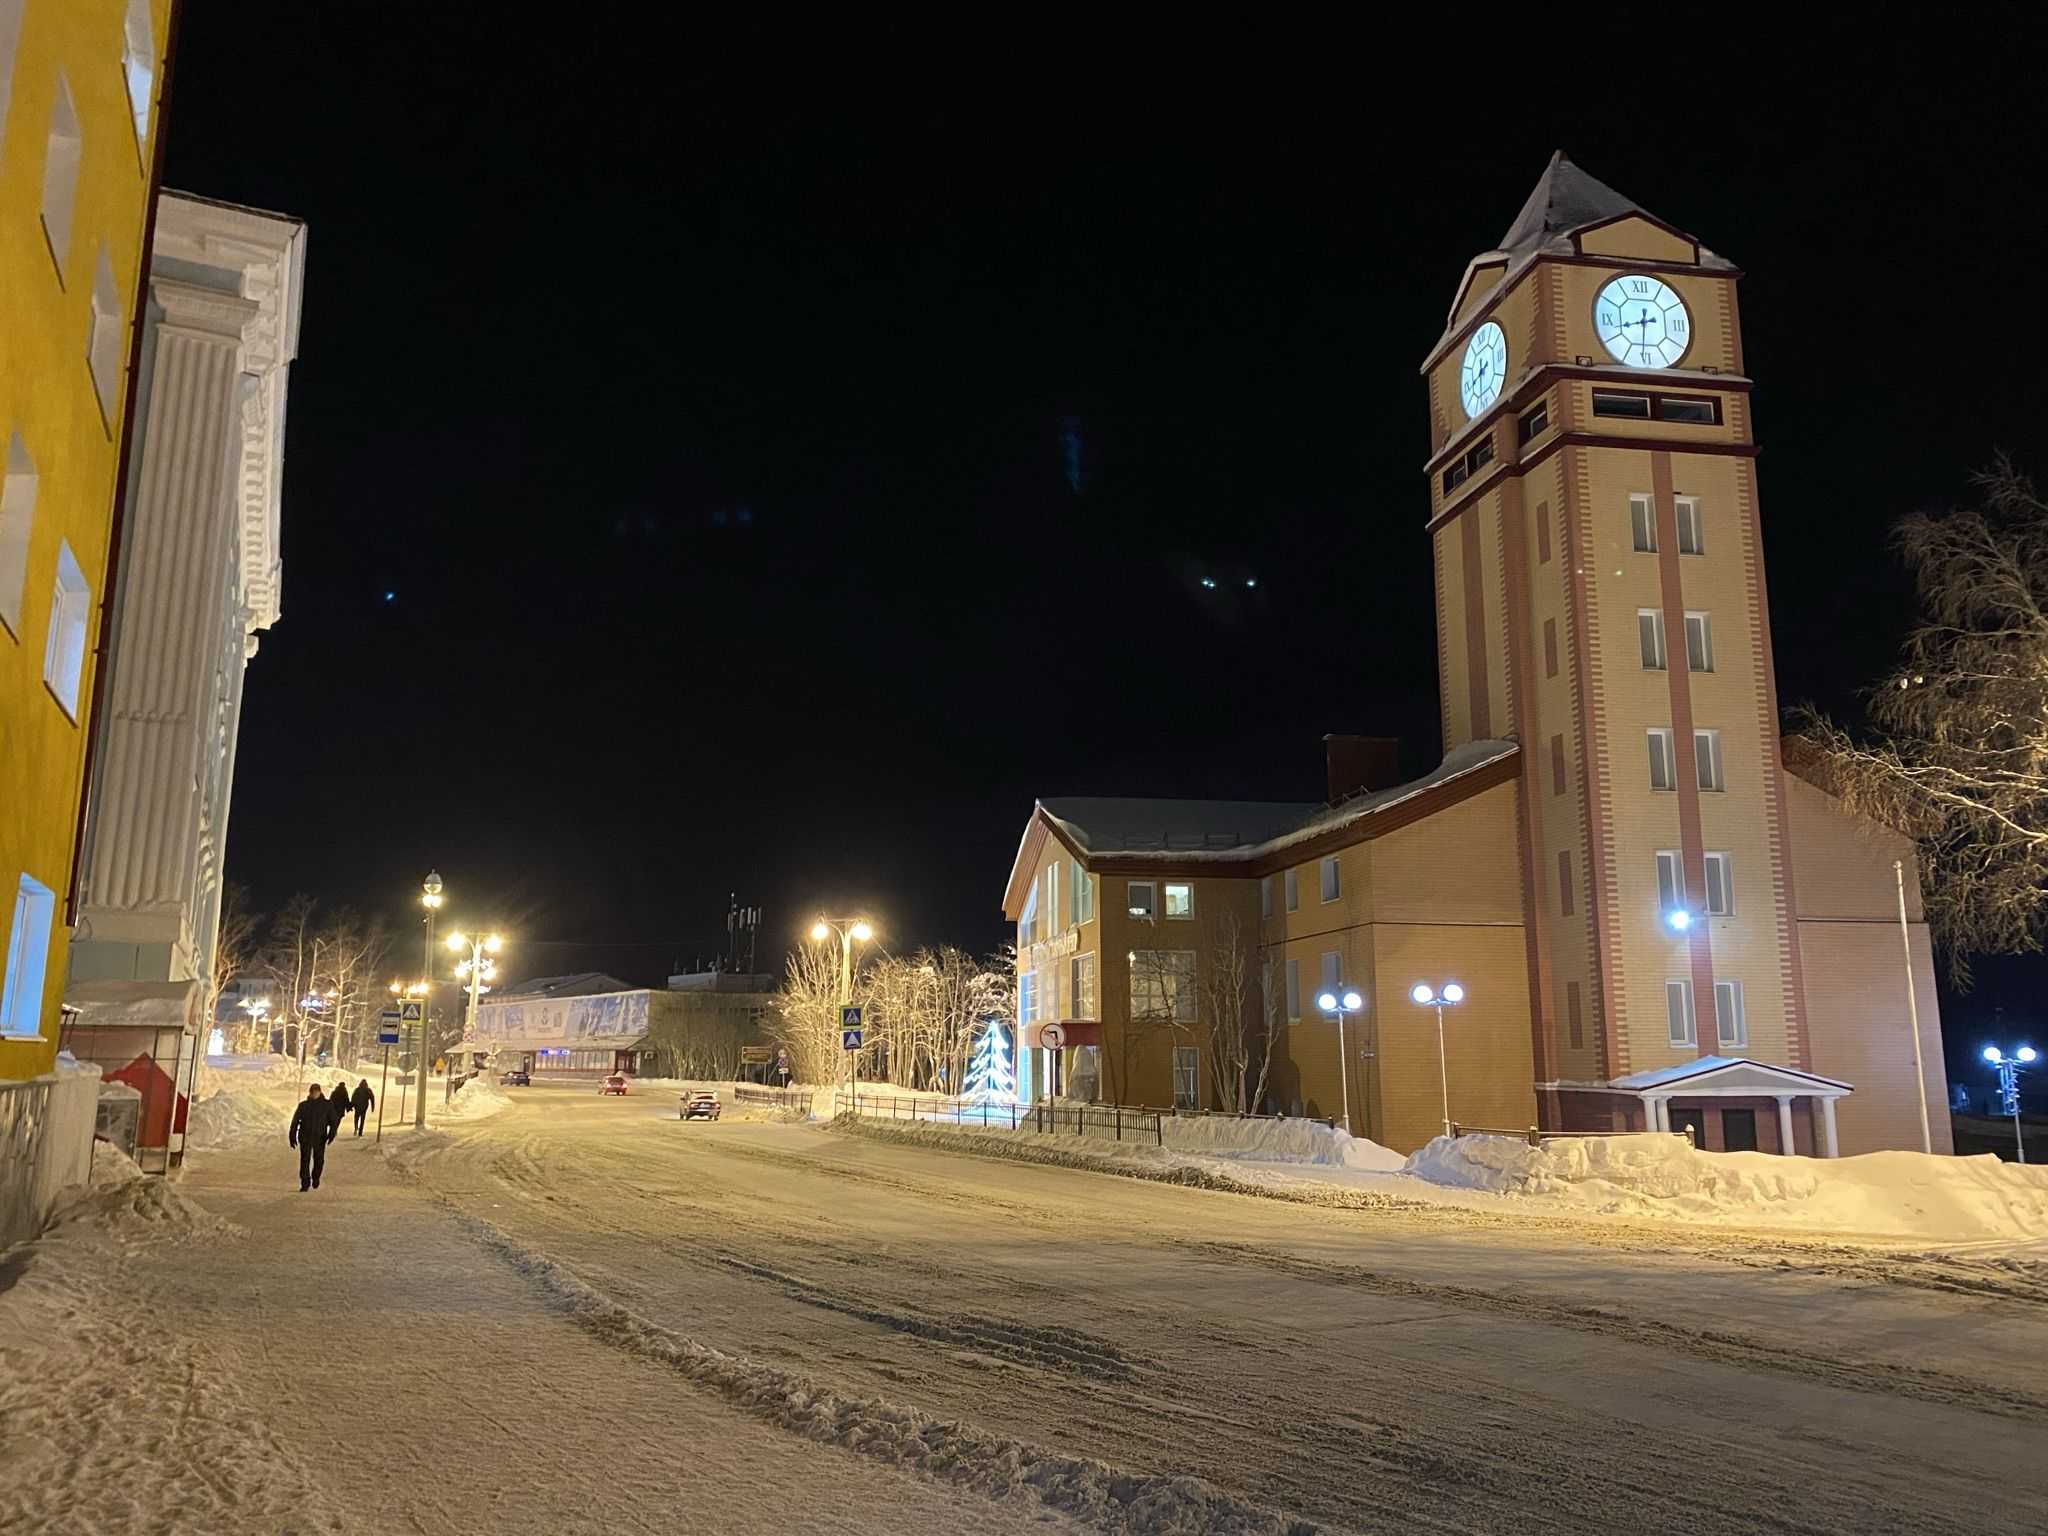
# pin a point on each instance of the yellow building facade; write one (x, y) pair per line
(80, 82)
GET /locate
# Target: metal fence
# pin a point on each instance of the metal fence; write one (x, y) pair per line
(24, 1120)
(780, 1098)
(1046, 1117)
(1536, 1138)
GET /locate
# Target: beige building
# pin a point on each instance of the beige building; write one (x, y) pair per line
(1655, 922)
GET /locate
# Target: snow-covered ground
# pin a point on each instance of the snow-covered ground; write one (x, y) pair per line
(580, 1314)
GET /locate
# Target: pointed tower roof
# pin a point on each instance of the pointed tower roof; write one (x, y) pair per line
(1565, 199)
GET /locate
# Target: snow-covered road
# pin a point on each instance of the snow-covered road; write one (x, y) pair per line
(580, 1314)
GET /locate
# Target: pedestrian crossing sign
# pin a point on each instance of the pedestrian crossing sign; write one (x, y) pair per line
(412, 1013)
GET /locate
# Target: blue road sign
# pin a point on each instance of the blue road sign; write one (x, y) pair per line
(387, 1027)
(849, 1039)
(849, 1027)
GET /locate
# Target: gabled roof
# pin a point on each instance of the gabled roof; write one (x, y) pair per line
(1733, 1075)
(1102, 825)
(578, 984)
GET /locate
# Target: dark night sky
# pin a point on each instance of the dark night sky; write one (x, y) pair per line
(702, 406)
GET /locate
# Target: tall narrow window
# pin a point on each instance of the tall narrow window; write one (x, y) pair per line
(1730, 1028)
(17, 516)
(1082, 895)
(1642, 522)
(70, 612)
(1140, 899)
(138, 66)
(1052, 898)
(1670, 882)
(1699, 642)
(28, 954)
(60, 174)
(1187, 1077)
(1557, 764)
(1565, 902)
(1331, 890)
(1650, 637)
(1574, 1017)
(1543, 533)
(1550, 647)
(1720, 885)
(1027, 921)
(1662, 772)
(1293, 883)
(1332, 973)
(1706, 756)
(1691, 535)
(1678, 1015)
(1266, 896)
(1027, 997)
(1293, 990)
(1081, 1003)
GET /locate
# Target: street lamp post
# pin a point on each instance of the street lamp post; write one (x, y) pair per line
(851, 931)
(475, 972)
(1440, 998)
(431, 899)
(1340, 1003)
(2009, 1069)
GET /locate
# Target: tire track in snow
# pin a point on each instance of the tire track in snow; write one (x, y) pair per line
(1716, 1347)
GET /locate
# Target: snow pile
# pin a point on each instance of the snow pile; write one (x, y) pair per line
(230, 1117)
(1664, 1177)
(476, 1099)
(1278, 1141)
(128, 1204)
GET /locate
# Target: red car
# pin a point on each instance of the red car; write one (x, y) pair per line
(616, 1083)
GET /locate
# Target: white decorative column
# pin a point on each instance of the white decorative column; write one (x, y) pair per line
(1785, 1143)
(1655, 1115)
(1829, 1147)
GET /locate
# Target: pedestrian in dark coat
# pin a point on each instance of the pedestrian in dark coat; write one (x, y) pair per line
(337, 1105)
(312, 1128)
(364, 1101)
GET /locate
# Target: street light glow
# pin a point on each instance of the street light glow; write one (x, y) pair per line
(1423, 993)
(862, 933)
(1327, 1002)
(819, 931)
(2026, 1053)
(1453, 993)
(457, 940)
(1679, 918)
(1353, 1002)
(493, 944)
(1993, 1054)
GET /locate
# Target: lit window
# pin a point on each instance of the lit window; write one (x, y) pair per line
(1730, 1028)
(1187, 1087)
(1662, 774)
(1293, 884)
(17, 516)
(1670, 882)
(1331, 888)
(1027, 924)
(1706, 757)
(1720, 885)
(1163, 984)
(70, 612)
(60, 174)
(1678, 1015)
(1691, 536)
(138, 65)
(103, 339)
(1141, 900)
(1642, 521)
(1027, 997)
(1180, 900)
(1081, 1002)
(28, 953)
(1052, 898)
(1699, 642)
(1650, 636)
(1082, 895)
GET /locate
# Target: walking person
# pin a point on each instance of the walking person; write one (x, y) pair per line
(363, 1102)
(312, 1128)
(338, 1105)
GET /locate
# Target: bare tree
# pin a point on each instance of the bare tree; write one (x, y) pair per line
(288, 959)
(234, 949)
(1226, 985)
(1958, 755)
(807, 1013)
(1165, 1004)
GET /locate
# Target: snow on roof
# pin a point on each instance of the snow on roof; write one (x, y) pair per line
(1234, 831)
(578, 984)
(1705, 1066)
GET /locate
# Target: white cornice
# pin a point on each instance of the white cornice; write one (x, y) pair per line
(266, 256)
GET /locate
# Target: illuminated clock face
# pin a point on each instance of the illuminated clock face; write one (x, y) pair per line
(1486, 368)
(1642, 322)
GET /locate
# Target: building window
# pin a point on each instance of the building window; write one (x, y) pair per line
(1557, 764)
(1650, 638)
(1081, 999)
(1187, 1088)
(1689, 410)
(1699, 642)
(70, 612)
(17, 516)
(1293, 991)
(1180, 900)
(1691, 536)
(28, 954)
(1543, 533)
(1293, 883)
(1140, 899)
(1332, 888)
(1027, 997)
(1642, 525)
(1608, 403)
(1678, 1013)
(1662, 772)
(1163, 984)
(1052, 898)
(1730, 1028)
(1706, 758)
(1049, 993)
(1565, 903)
(1550, 647)
(1535, 422)
(1469, 465)
(60, 174)
(1573, 1015)
(1027, 924)
(1266, 896)
(138, 65)
(1083, 895)
(1670, 882)
(1720, 885)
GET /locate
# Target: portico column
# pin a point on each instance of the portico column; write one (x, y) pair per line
(1785, 1143)
(1654, 1113)
(1827, 1127)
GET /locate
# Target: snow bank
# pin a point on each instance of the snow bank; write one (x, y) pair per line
(230, 1117)
(476, 1099)
(1665, 1178)
(1278, 1141)
(129, 1205)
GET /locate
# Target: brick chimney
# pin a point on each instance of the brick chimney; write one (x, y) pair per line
(1362, 763)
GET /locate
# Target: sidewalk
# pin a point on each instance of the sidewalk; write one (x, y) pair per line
(356, 1360)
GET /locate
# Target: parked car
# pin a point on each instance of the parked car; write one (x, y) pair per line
(701, 1105)
(518, 1077)
(616, 1083)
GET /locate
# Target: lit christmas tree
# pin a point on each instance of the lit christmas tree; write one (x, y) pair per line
(991, 1075)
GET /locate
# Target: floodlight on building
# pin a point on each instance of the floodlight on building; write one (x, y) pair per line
(1422, 993)
(1353, 1002)
(1679, 919)
(1453, 993)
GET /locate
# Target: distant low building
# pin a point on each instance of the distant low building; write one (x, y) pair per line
(590, 1024)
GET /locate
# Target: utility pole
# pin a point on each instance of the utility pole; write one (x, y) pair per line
(431, 899)
(1913, 1007)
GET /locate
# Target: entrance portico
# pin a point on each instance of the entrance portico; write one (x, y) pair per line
(1722, 1081)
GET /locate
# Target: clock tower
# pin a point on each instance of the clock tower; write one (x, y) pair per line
(1600, 598)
